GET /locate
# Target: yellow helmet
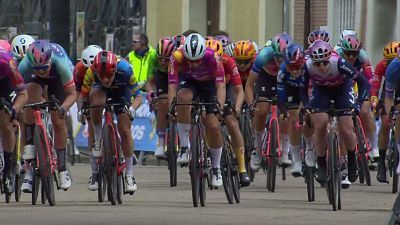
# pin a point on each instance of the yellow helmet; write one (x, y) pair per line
(244, 50)
(390, 51)
(215, 45)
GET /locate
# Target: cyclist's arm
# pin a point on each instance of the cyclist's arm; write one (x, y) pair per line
(88, 80)
(64, 70)
(236, 82)
(304, 84)
(173, 79)
(18, 85)
(392, 78)
(377, 79)
(249, 89)
(366, 66)
(281, 85)
(135, 91)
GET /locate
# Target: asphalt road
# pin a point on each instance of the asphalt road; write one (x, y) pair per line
(157, 203)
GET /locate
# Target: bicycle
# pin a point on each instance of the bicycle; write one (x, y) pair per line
(393, 161)
(198, 166)
(229, 166)
(71, 141)
(248, 136)
(111, 164)
(362, 150)
(12, 181)
(45, 163)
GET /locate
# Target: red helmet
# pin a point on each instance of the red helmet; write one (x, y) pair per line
(105, 64)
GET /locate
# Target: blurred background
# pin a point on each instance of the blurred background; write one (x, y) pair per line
(111, 23)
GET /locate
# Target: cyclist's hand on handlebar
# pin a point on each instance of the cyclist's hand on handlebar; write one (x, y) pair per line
(374, 101)
(131, 112)
(81, 117)
(62, 111)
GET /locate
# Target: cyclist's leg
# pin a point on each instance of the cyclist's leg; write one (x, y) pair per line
(369, 127)
(97, 97)
(295, 142)
(263, 91)
(383, 143)
(320, 100)
(186, 94)
(161, 83)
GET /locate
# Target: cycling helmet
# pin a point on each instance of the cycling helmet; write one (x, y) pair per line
(216, 46)
(5, 46)
(348, 32)
(350, 43)
(318, 35)
(244, 50)
(105, 64)
(295, 54)
(390, 51)
(280, 42)
(209, 38)
(320, 51)
(225, 40)
(89, 53)
(194, 47)
(20, 45)
(165, 47)
(39, 53)
(229, 49)
(179, 40)
(255, 46)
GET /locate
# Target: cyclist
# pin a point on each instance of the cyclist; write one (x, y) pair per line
(13, 90)
(223, 37)
(5, 45)
(20, 45)
(113, 78)
(48, 64)
(289, 77)
(164, 49)
(392, 95)
(244, 53)
(318, 35)
(86, 61)
(234, 95)
(350, 49)
(390, 51)
(331, 79)
(202, 75)
(264, 71)
(229, 49)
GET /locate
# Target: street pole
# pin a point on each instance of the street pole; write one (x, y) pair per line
(307, 21)
(59, 23)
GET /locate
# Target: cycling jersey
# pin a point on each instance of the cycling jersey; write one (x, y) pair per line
(61, 67)
(123, 78)
(380, 70)
(79, 74)
(287, 85)
(231, 72)
(362, 63)
(265, 61)
(210, 68)
(161, 81)
(9, 70)
(392, 75)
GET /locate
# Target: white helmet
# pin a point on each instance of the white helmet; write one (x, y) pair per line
(20, 45)
(348, 32)
(229, 49)
(194, 47)
(89, 53)
(256, 46)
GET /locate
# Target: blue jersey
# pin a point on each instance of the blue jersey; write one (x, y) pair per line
(61, 66)
(285, 79)
(392, 75)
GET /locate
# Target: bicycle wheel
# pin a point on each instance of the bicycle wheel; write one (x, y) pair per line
(194, 170)
(46, 174)
(395, 159)
(235, 184)
(202, 191)
(248, 138)
(332, 175)
(35, 184)
(361, 177)
(102, 182)
(362, 159)
(18, 183)
(310, 183)
(226, 173)
(70, 141)
(272, 157)
(172, 154)
(120, 188)
(110, 164)
(365, 169)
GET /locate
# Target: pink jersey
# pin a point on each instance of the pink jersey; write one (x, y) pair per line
(9, 69)
(332, 78)
(209, 68)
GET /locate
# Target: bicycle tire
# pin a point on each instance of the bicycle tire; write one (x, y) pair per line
(361, 176)
(367, 175)
(70, 141)
(46, 175)
(332, 184)
(102, 183)
(172, 154)
(248, 138)
(202, 191)
(362, 159)
(236, 186)
(226, 173)
(110, 164)
(394, 169)
(35, 184)
(18, 183)
(195, 143)
(43, 197)
(310, 183)
(283, 173)
(120, 188)
(272, 157)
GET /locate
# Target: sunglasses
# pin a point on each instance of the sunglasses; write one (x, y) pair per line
(351, 53)
(321, 63)
(135, 41)
(42, 69)
(243, 61)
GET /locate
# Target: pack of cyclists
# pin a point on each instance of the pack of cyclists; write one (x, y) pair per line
(215, 70)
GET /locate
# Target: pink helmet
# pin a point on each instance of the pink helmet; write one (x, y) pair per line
(5, 45)
(165, 47)
(39, 53)
(320, 51)
(350, 43)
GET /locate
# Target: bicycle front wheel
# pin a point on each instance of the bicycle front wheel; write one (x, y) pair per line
(102, 183)
(272, 157)
(194, 170)
(333, 172)
(172, 154)
(110, 164)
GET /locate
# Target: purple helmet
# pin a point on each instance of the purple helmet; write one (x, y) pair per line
(225, 40)
(318, 35)
(320, 51)
(39, 53)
